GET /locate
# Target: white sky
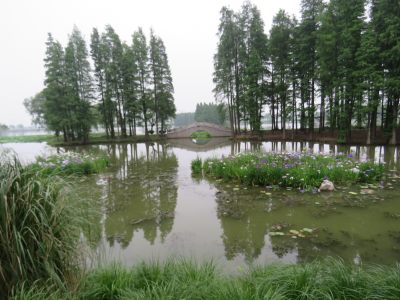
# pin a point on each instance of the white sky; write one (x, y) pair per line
(187, 27)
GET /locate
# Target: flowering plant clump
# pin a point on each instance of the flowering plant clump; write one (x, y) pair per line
(302, 170)
(69, 163)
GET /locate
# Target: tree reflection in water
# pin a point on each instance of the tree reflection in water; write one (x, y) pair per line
(140, 192)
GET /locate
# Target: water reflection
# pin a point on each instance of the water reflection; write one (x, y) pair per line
(140, 193)
(153, 208)
(343, 225)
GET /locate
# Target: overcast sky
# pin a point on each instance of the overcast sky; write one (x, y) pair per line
(187, 27)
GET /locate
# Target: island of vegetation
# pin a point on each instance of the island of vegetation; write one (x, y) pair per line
(304, 171)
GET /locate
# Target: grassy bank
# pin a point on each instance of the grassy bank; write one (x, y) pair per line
(328, 279)
(94, 138)
(30, 139)
(103, 139)
(305, 171)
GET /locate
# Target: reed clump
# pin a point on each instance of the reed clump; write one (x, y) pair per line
(39, 227)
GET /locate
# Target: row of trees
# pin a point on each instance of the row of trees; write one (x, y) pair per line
(183, 119)
(337, 68)
(211, 113)
(129, 86)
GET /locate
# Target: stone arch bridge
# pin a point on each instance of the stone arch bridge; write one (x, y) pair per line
(186, 131)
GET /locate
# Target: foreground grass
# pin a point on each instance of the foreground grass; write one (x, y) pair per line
(39, 227)
(305, 171)
(328, 279)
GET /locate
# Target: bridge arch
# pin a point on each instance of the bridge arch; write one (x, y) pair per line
(186, 131)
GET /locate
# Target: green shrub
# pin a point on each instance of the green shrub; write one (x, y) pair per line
(201, 135)
(305, 171)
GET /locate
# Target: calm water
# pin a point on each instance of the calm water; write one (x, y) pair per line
(153, 208)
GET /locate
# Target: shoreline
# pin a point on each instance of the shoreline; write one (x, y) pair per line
(357, 138)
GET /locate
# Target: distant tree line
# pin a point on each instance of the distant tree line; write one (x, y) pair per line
(337, 68)
(3, 127)
(211, 113)
(183, 119)
(129, 86)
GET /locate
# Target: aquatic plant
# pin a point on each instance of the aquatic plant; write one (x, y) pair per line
(196, 165)
(69, 163)
(304, 171)
(201, 135)
(39, 227)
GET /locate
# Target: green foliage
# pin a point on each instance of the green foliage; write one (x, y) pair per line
(334, 66)
(183, 119)
(240, 63)
(196, 165)
(201, 135)
(211, 113)
(69, 164)
(39, 290)
(305, 171)
(39, 228)
(132, 86)
(3, 127)
(64, 105)
(107, 283)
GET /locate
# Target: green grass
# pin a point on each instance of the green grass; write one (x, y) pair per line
(30, 139)
(39, 228)
(201, 135)
(94, 138)
(196, 165)
(69, 164)
(181, 279)
(304, 171)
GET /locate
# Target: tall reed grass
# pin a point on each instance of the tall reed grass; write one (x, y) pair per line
(39, 227)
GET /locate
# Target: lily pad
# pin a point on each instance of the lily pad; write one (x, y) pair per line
(292, 231)
(353, 193)
(367, 191)
(276, 233)
(308, 230)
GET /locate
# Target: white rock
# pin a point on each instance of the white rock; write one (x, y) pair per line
(326, 185)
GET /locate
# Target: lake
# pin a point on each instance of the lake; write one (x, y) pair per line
(152, 208)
